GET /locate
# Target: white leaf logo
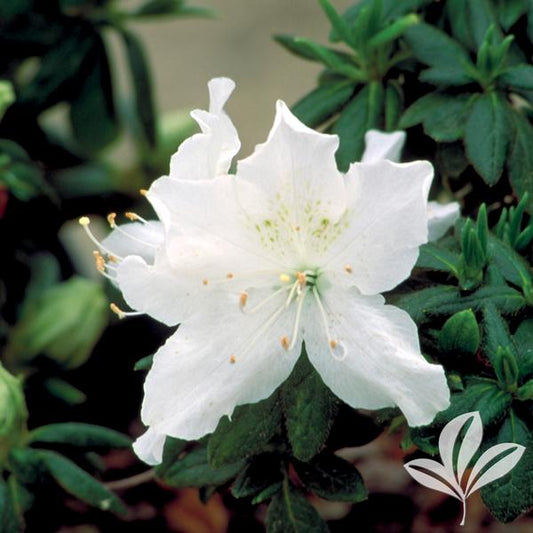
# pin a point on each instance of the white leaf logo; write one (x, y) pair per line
(448, 476)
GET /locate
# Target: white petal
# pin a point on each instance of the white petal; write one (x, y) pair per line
(381, 145)
(208, 154)
(193, 381)
(385, 223)
(136, 239)
(382, 366)
(296, 171)
(441, 217)
(149, 447)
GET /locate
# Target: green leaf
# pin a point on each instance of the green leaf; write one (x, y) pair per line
(332, 478)
(434, 257)
(26, 465)
(495, 332)
(309, 408)
(512, 495)
(518, 77)
(339, 24)
(520, 160)
(290, 512)
(194, 470)
(487, 136)
(79, 483)
(512, 265)
(360, 115)
(263, 472)
(394, 102)
(509, 11)
(448, 76)
(523, 338)
(436, 49)
(480, 16)
(64, 391)
(142, 85)
(145, 363)
(443, 116)
(172, 451)
(451, 159)
(92, 113)
(251, 431)
(79, 435)
(10, 522)
(153, 8)
(460, 333)
(322, 103)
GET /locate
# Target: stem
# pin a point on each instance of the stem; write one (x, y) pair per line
(130, 482)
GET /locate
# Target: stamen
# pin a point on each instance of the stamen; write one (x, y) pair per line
(302, 279)
(99, 260)
(232, 359)
(243, 299)
(261, 304)
(332, 343)
(348, 269)
(229, 275)
(111, 220)
(284, 278)
(122, 314)
(205, 282)
(285, 342)
(143, 192)
(134, 217)
(84, 223)
(297, 321)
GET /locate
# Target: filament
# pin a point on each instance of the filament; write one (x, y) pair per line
(332, 343)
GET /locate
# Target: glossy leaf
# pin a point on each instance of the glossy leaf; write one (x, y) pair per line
(78, 434)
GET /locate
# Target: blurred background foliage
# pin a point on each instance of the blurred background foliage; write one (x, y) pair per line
(455, 74)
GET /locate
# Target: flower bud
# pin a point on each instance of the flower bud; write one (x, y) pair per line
(460, 333)
(64, 322)
(13, 413)
(506, 369)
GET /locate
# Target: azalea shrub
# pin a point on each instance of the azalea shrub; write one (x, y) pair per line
(366, 270)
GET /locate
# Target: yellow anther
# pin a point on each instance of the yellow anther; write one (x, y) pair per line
(205, 282)
(243, 299)
(284, 278)
(132, 216)
(285, 342)
(111, 219)
(333, 344)
(112, 258)
(116, 309)
(143, 192)
(100, 263)
(84, 221)
(232, 359)
(296, 228)
(302, 279)
(348, 269)
(229, 275)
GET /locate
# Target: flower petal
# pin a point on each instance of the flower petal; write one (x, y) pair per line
(217, 360)
(381, 145)
(295, 169)
(136, 239)
(382, 366)
(384, 224)
(441, 217)
(208, 154)
(149, 447)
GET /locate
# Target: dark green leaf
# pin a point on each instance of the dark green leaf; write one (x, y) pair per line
(153, 8)
(172, 451)
(394, 102)
(480, 15)
(264, 471)
(512, 495)
(495, 333)
(79, 483)
(448, 76)
(145, 363)
(194, 470)
(142, 85)
(320, 104)
(338, 23)
(309, 408)
(435, 257)
(451, 159)
(267, 494)
(251, 431)
(92, 113)
(10, 521)
(512, 265)
(519, 77)
(290, 512)
(64, 391)
(26, 465)
(523, 338)
(487, 136)
(509, 11)
(360, 115)
(435, 48)
(443, 116)
(520, 161)
(332, 478)
(80, 435)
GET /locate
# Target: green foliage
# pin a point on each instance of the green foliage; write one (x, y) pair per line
(77, 434)
(460, 333)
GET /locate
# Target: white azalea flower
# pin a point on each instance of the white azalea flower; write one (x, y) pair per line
(382, 145)
(252, 265)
